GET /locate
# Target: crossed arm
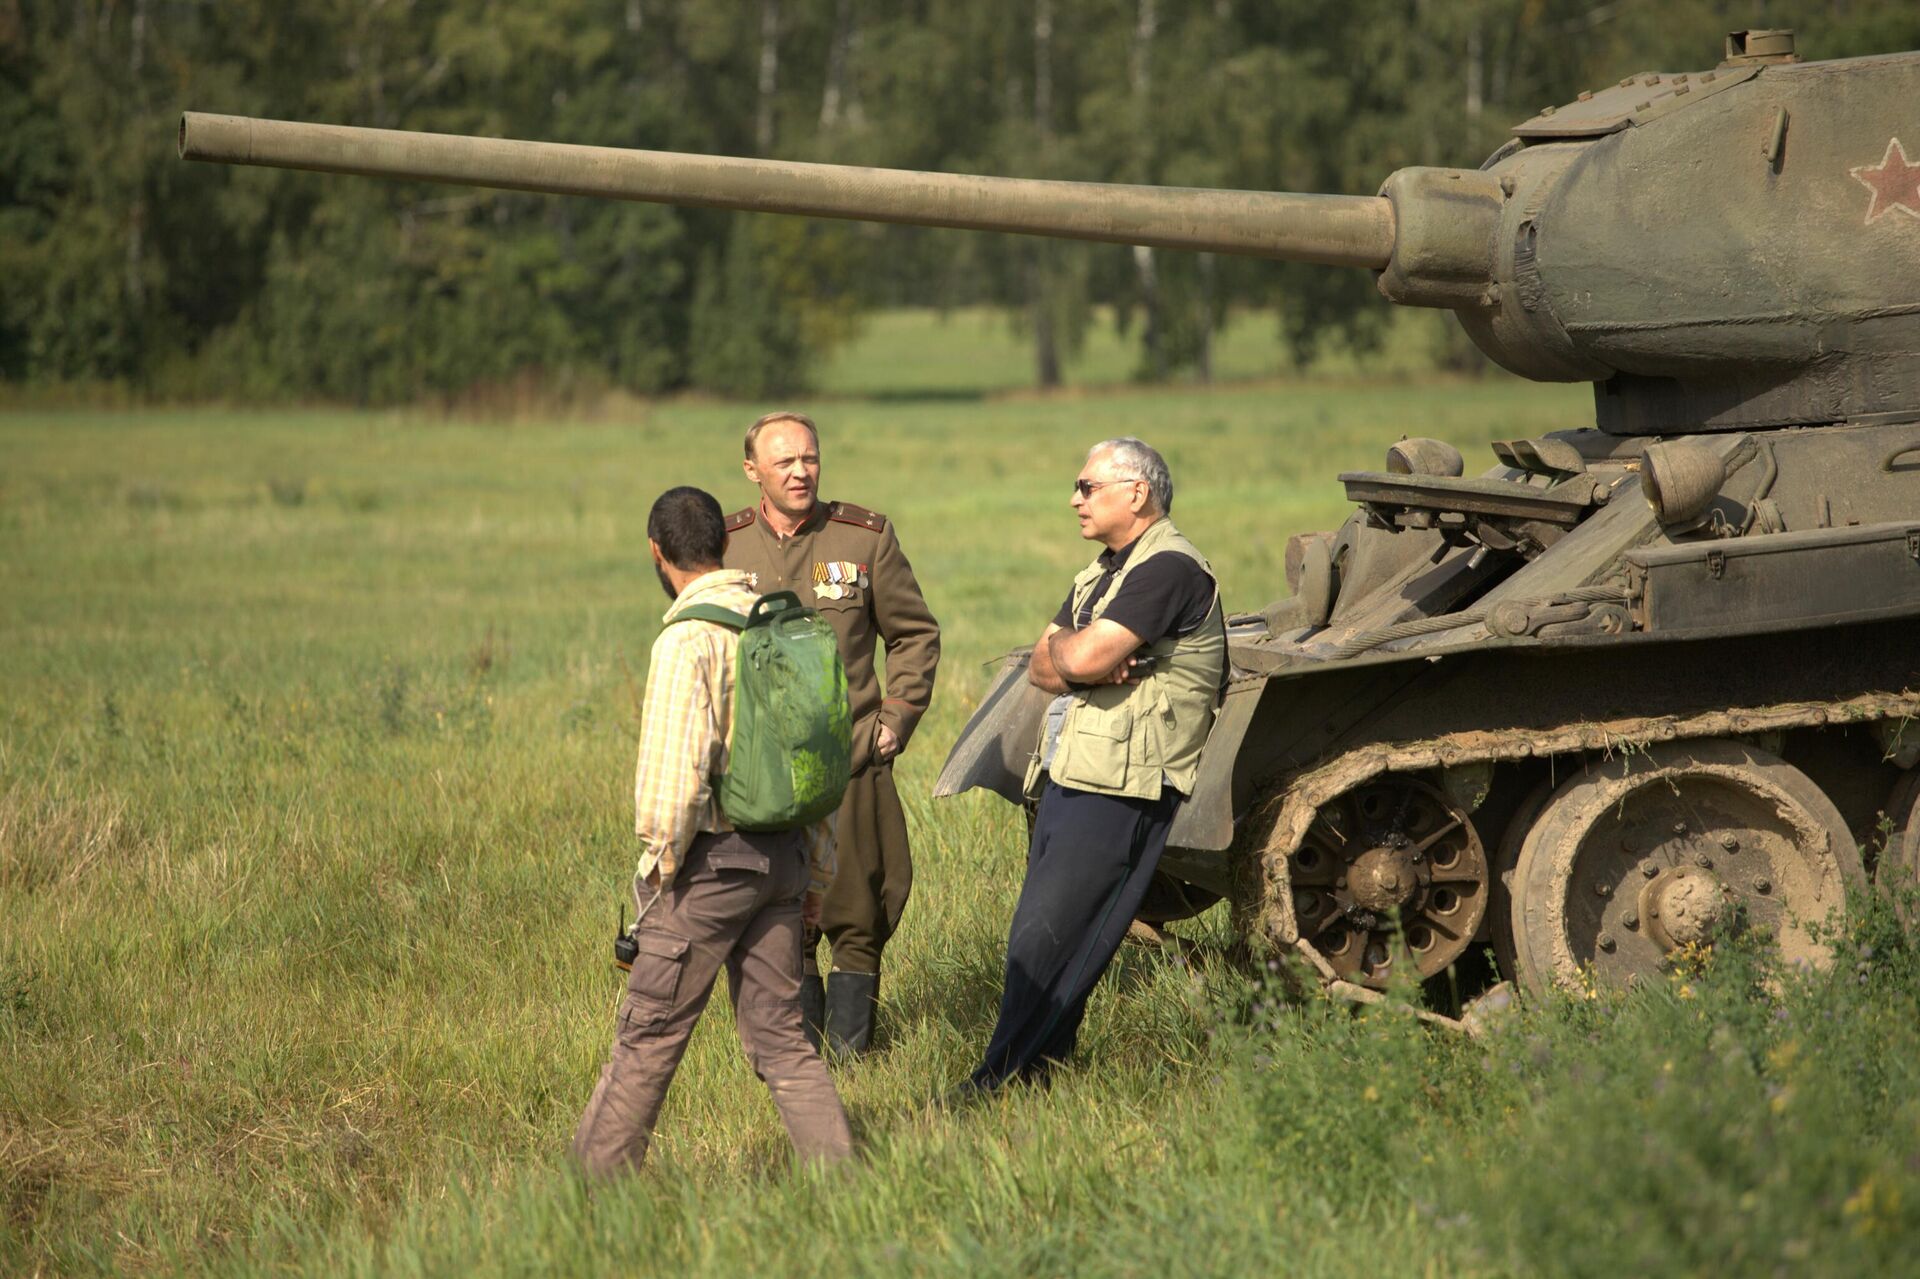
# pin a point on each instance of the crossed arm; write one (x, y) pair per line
(1099, 653)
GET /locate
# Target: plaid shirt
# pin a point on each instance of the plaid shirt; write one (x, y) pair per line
(685, 724)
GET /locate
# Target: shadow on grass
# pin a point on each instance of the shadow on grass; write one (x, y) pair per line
(963, 994)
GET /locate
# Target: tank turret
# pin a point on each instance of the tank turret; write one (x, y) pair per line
(1611, 698)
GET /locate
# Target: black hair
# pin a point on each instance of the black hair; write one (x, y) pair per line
(687, 526)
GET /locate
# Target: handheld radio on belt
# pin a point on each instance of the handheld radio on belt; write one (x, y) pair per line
(624, 946)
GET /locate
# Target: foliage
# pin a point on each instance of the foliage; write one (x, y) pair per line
(767, 307)
(1738, 1118)
(123, 265)
(1734, 1118)
(197, 282)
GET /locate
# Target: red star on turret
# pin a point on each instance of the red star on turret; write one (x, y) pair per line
(1895, 183)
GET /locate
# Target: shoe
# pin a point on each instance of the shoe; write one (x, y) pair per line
(967, 1094)
(851, 1000)
(813, 1007)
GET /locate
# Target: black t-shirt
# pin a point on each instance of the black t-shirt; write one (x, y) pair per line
(1169, 594)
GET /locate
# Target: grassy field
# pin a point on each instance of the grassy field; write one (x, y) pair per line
(969, 352)
(316, 733)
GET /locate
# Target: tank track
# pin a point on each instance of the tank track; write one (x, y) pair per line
(1267, 908)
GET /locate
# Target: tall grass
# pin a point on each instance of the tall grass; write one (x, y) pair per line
(315, 738)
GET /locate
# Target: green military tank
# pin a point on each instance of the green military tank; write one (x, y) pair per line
(1633, 685)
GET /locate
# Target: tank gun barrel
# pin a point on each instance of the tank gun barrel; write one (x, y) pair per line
(1638, 237)
(1332, 230)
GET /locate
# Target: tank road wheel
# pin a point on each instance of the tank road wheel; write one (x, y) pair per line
(1900, 860)
(1394, 854)
(1645, 854)
(1505, 943)
(1898, 870)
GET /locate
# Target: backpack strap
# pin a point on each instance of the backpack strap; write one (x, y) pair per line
(711, 613)
(773, 605)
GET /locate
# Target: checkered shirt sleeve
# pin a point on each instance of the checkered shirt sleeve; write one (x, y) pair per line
(682, 744)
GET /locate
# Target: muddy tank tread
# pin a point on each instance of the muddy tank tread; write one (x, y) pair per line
(1266, 907)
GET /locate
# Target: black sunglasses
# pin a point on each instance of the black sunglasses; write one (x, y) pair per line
(1085, 488)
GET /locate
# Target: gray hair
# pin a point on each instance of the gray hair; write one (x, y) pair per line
(1133, 459)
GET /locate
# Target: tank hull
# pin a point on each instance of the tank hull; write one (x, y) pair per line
(1797, 640)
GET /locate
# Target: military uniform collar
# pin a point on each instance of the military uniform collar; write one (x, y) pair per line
(814, 519)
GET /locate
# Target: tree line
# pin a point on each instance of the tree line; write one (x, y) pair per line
(119, 264)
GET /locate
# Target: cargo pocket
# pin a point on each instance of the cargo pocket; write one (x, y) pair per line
(653, 984)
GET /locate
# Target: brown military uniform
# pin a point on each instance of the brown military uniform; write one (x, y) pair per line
(845, 562)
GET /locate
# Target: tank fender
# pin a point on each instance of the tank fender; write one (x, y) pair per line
(1205, 820)
(993, 749)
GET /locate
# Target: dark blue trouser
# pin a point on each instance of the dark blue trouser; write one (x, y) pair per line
(1088, 868)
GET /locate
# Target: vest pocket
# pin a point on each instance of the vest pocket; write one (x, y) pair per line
(1094, 747)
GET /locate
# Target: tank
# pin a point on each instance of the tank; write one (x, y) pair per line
(1634, 684)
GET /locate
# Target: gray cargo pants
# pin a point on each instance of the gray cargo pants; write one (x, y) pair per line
(735, 902)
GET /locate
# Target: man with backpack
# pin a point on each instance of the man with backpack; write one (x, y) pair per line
(711, 895)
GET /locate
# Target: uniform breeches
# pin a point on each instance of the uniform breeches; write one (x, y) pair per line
(869, 891)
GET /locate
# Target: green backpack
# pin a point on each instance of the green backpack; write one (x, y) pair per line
(792, 748)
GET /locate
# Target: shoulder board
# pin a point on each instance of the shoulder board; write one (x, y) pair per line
(739, 519)
(848, 513)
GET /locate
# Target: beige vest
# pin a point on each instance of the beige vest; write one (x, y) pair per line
(1129, 739)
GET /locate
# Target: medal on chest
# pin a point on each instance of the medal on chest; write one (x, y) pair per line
(838, 579)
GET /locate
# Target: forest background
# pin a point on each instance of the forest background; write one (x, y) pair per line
(130, 275)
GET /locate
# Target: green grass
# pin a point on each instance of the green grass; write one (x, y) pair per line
(974, 351)
(316, 733)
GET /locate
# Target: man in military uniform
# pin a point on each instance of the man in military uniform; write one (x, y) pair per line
(1136, 658)
(845, 561)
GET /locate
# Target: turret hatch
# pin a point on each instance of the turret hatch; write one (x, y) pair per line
(1638, 99)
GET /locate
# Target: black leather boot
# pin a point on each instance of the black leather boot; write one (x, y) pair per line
(851, 999)
(813, 1007)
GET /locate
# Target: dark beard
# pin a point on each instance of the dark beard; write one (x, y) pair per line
(665, 584)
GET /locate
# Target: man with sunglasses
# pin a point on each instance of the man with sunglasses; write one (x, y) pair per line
(845, 561)
(1136, 658)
